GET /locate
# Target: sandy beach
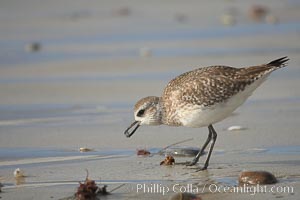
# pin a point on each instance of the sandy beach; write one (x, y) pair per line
(95, 59)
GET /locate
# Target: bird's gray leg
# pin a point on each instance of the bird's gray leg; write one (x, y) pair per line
(214, 138)
(196, 159)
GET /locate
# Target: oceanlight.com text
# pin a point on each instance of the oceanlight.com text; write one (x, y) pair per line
(158, 188)
(249, 189)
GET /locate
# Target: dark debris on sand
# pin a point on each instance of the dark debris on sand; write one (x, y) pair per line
(169, 160)
(143, 152)
(89, 190)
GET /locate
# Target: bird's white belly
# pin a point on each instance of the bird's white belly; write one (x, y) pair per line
(199, 116)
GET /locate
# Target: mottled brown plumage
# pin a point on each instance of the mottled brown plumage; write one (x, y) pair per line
(202, 97)
(208, 86)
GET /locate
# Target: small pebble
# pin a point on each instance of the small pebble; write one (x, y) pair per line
(80, 14)
(258, 12)
(84, 149)
(271, 19)
(123, 12)
(33, 47)
(236, 128)
(185, 196)
(145, 52)
(256, 177)
(181, 18)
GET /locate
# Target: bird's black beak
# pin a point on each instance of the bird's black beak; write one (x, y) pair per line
(127, 133)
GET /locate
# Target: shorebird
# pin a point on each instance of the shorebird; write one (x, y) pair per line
(201, 98)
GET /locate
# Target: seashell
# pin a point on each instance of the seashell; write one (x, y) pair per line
(18, 173)
(236, 128)
(256, 177)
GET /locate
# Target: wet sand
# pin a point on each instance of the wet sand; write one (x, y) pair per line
(80, 88)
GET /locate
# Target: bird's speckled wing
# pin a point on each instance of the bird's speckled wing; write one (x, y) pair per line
(208, 86)
(204, 86)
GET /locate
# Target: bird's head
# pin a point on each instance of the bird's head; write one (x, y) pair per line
(146, 112)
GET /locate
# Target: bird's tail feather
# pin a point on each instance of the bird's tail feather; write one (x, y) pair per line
(256, 72)
(278, 63)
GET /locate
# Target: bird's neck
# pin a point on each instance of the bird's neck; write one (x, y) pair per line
(163, 115)
(159, 113)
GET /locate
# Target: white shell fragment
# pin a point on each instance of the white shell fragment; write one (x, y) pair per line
(236, 128)
(18, 173)
(228, 20)
(272, 19)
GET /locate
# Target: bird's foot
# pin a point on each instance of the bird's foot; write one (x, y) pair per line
(192, 163)
(201, 169)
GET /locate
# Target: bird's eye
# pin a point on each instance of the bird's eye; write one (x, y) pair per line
(140, 113)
